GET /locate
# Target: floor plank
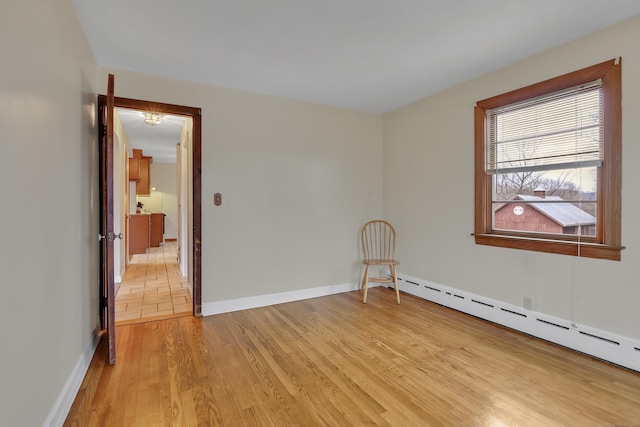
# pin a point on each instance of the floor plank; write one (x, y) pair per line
(335, 361)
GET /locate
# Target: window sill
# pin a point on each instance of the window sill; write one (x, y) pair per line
(582, 249)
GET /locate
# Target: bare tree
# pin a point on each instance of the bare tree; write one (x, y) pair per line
(562, 186)
(510, 184)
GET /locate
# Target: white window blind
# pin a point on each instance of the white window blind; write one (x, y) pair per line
(557, 131)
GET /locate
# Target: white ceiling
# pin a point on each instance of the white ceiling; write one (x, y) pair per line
(158, 141)
(368, 55)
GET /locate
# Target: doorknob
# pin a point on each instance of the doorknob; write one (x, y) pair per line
(111, 236)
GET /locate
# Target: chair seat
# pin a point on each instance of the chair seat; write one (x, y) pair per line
(381, 262)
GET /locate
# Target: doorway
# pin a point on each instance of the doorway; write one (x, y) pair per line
(170, 267)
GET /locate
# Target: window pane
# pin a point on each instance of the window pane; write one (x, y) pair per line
(557, 201)
(553, 130)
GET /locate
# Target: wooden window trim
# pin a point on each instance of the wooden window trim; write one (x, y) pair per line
(607, 243)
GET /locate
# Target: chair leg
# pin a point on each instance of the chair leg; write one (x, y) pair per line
(365, 279)
(394, 274)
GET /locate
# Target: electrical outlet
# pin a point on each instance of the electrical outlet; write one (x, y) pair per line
(528, 303)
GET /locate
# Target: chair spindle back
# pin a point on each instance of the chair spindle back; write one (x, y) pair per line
(378, 240)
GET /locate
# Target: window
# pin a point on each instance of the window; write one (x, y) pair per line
(548, 165)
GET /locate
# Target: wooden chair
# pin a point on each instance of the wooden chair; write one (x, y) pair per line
(379, 249)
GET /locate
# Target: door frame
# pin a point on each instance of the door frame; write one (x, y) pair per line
(196, 174)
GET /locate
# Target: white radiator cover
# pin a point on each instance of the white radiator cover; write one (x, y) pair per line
(603, 345)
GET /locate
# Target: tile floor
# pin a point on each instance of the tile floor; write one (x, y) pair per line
(153, 288)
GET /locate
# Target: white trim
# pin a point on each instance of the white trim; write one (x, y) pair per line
(603, 345)
(226, 306)
(118, 277)
(61, 407)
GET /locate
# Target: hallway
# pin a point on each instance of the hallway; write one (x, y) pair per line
(153, 288)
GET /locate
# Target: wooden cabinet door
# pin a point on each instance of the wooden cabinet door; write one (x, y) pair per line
(157, 229)
(143, 188)
(134, 169)
(138, 234)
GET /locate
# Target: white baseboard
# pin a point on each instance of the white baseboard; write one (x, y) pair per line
(227, 306)
(603, 345)
(118, 277)
(61, 407)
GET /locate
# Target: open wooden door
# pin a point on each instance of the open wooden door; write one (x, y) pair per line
(107, 235)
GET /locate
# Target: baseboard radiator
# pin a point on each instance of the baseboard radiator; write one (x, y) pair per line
(600, 344)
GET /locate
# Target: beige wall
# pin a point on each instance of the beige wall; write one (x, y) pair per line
(49, 215)
(184, 165)
(428, 195)
(298, 180)
(121, 150)
(164, 179)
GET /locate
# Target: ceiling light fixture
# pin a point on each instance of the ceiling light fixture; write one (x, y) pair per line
(152, 118)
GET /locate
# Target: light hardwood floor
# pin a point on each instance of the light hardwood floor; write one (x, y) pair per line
(153, 288)
(333, 361)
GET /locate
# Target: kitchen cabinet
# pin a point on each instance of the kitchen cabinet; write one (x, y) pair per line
(143, 187)
(145, 231)
(134, 169)
(139, 233)
(157, 229)
(140, 171)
